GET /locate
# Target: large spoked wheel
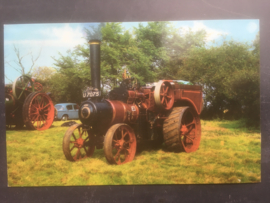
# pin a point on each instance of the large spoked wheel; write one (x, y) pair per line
(78, 143)
(120, 144)
(164, 95)
(38, 111)
(22, 87)
(182, 130)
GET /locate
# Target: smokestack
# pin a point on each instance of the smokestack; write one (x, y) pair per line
(95, 63)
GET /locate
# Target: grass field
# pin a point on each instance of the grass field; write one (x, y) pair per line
(228, 153)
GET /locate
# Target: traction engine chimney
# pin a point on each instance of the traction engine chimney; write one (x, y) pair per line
(95, 63)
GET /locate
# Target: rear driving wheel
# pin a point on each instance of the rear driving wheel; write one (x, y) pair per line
(78, 143)
(38, 111)
(182, 130)
(120, 144)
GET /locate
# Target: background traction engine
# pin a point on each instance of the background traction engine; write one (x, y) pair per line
(26, 104)
(162, 112)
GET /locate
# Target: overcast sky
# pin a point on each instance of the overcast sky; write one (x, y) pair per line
(53, 39)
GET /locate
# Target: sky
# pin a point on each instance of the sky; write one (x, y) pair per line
(50, 40)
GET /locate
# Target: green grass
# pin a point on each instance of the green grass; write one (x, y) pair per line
(228, 153)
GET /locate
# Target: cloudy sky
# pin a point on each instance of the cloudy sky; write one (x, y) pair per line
(52, 39)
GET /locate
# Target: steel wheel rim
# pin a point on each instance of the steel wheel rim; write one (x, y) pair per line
(190, 131)
(41, 112)
(80, 145)
(123, 145)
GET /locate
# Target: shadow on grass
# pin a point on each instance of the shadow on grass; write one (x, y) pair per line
(14, 128)
(99, 153)
(141, 147)
(24, 128)
(148, 146)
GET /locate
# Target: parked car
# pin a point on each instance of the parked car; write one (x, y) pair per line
(65, 111)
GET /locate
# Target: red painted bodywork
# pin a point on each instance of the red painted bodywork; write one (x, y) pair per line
(191, 94)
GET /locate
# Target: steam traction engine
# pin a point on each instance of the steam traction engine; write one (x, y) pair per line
(26, 104)
(163, 112)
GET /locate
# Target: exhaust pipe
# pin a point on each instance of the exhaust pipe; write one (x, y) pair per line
(95, 63)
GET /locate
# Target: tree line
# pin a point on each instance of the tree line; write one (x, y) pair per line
(228, 71)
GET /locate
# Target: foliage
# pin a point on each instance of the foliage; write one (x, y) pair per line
(178, 47)
(228, 153)
(43, 75)
(71, 77)
(229, 74)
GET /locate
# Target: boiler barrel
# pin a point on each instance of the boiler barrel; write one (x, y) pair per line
(107, 113)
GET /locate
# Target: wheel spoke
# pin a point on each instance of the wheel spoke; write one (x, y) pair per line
(189, 130)
(21, 94)
(41, 102)
(190, 138)
(117, 154)
(192, 123)
(187, 136)
(162, 100)
(161, 89)
(76, 155)
(36, 119)
(47, 105)
(86, 139)
(166, 102)
(127, 152)
(34, 113)
(34, 105)
(72, 148)
(85, 149)
(37, 103)
(166, 90)
(74, 136)
(80, 132)
(43, 119)
(46, 114)
(122, 133)
(128, 142)
(125, 135)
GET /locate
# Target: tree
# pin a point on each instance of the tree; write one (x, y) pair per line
(18, 64)
(43, 73)
(165, 48)
(229, 75)
(71, 77)
(144, 53)
(152, 40)
(178, 48)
